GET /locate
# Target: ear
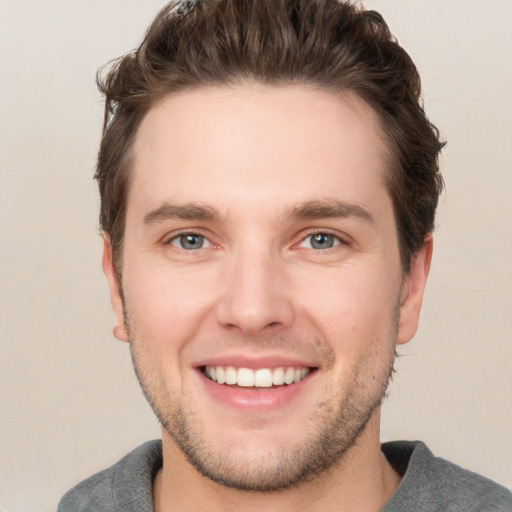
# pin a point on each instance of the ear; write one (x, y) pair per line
(412, 291)
(120, 331)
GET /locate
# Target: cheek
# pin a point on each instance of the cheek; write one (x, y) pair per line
(166, 308)
(353, 309)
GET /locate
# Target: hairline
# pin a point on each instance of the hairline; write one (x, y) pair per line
(389, 156)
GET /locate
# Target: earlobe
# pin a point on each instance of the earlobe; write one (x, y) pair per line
(119, 330)
(412, 291)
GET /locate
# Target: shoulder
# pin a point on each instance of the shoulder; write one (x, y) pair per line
(433, 484)
(93, 494)
(127, 485)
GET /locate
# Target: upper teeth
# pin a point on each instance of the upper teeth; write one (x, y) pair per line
(261, 378)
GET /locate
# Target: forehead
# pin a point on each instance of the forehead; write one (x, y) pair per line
(256, 145)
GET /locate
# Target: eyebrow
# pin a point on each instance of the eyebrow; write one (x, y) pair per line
(319, 209)
(188, 211)
(330, 208)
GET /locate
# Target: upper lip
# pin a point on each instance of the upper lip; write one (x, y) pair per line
(255, 362)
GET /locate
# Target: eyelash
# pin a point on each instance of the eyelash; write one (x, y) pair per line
(337, 238)
(190, 232)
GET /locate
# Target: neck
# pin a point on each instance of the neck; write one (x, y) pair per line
(362, 481)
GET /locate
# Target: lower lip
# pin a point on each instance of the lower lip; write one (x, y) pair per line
(255, 399)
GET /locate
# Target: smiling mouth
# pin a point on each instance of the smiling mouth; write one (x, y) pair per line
(260, 378)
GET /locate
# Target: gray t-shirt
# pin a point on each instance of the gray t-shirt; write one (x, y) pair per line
(429, 484)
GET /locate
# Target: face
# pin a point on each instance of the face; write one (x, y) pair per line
(263, 292)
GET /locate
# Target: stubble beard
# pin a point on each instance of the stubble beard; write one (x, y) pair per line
(333, 431)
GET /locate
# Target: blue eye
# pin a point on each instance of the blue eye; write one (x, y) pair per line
(190, 241)
(320, 241)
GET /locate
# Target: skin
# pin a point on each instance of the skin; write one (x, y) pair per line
(258, 157)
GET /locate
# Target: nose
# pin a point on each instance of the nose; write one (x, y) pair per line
(256, 298)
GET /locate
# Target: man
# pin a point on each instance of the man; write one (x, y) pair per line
(269, 182)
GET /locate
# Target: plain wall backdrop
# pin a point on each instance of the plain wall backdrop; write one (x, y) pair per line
(70, 404)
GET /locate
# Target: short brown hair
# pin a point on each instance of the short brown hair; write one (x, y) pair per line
(328, 44)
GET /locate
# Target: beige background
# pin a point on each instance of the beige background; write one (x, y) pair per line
(70, 404)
